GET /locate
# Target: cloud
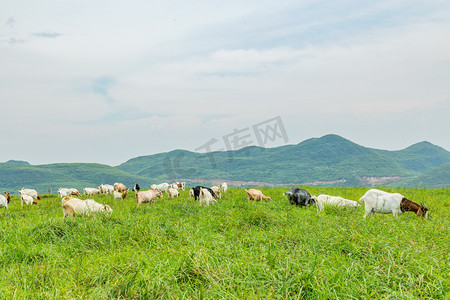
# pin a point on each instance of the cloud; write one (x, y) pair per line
(323, 66)
(14, 41)
(101, 85)
(122, 114)
(251, 60)
(10, 22)
(231, 63)
(47, 34)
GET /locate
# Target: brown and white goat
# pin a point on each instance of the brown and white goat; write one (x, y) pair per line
(75, 192)
(30, 192)
(376, 201)
(408, 205)
(4, 200)
(119, 195)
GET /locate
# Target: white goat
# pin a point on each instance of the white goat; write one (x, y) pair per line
(323, 200)
(74, 206)
(206, 198)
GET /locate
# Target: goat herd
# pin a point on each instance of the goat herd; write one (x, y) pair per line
(375, 201)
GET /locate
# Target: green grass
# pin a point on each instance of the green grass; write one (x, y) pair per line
(235, 249)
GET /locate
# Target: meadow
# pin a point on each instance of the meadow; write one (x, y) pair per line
(235, 249)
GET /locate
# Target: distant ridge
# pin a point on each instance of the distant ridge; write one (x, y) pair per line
(20, 162)
(48, 178)
(420, 157)
(328, 160)
(438, 177)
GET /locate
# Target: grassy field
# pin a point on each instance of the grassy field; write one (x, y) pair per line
(235, 249)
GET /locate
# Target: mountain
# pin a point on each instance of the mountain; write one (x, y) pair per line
(438, 177)
(328, 160)
(21, 162)
(420, 157)
(332, 157)
(45, 178)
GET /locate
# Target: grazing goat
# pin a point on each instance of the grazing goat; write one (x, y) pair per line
(163, 187)
(75, 192)
(323, 200)
(30, 192)
(298, 196)
(419, 210)
(74, 206)
(216, 190)
(119, 195)
(63, 192)
(224, 187)
(147, 196)
(4, 200)
(26, 199)
(91, 191)
(136, 188)
(206, 198)
(173, 193)
(181, 185)
(376, 201)
(106, 189)
(119, 187)
(173, 186)
(256, 195)
(197, 192)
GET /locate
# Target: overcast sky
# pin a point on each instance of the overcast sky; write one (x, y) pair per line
(106, 81)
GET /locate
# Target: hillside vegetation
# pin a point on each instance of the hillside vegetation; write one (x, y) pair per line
(320, 159)
(235, 249)
(47, 178)
(419, 157)
(330, 158)
(436, 177)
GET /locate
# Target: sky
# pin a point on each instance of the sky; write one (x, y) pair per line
(106, 81)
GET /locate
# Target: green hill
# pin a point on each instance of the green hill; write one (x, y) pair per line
(332, 157)
(45, 178)
(438, 177)
(329, 160)
(21, 162)
(420, 157)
